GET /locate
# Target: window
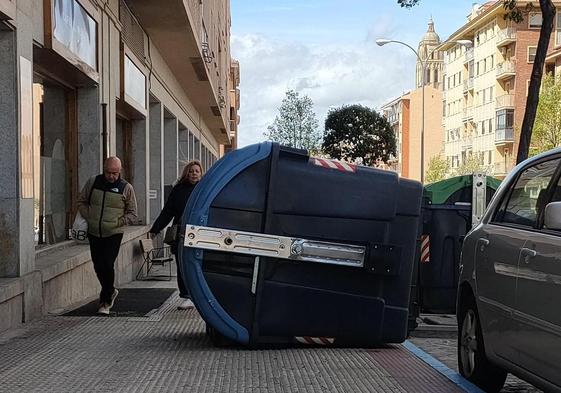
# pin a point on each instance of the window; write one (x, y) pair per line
(558, 28)
(490, 126)
(482, 128)
(531, 54)
(522, 204)
(490, 158)
(492, 62)
(505, 119)
(535, 20)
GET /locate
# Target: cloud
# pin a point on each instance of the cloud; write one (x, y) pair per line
(331, 75)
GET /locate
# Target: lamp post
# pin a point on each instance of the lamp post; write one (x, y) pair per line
(424, 63)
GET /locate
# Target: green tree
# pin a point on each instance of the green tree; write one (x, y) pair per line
(515, 14)
(296, 124)
(547, 128)
(471, 164)
(359, 134)
(438, 169)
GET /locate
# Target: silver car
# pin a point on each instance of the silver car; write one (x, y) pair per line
(509, 293)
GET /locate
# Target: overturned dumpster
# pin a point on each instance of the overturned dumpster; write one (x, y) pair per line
(281, 247)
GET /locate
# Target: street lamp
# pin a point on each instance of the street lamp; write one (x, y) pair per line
(424, 63)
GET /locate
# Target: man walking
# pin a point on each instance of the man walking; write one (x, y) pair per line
(108, 203)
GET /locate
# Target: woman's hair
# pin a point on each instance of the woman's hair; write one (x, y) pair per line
(184, 178)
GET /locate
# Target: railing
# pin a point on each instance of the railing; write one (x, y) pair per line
(505, 101)
(504, 135)
(468, 84)
(506, 67)
(468, 113)
(506, 35)
(501, 169)
(467, 143)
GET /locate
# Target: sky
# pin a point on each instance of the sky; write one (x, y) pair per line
(326, 49)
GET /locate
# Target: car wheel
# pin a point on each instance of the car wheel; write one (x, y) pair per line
(472, 361)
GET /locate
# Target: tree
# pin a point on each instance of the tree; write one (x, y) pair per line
(547, 127)
(516, 15)
(438, 169)
(296, 124)
(471, 164)
(358, 134)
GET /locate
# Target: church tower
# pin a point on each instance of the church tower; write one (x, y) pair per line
(434, 60)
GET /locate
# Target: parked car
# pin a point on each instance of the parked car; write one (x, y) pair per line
(509, 320)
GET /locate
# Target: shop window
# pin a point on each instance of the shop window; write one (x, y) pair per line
(54, 186)
(197, 149)
(191, 146)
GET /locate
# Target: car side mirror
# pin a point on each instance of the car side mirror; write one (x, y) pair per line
(552, 216)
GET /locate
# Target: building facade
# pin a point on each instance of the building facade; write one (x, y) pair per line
(406, 115)
(485, 86)
(81, 80)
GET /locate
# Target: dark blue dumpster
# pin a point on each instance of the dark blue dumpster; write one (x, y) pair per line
(344, 276)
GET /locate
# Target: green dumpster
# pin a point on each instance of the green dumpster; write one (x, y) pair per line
(447, 215)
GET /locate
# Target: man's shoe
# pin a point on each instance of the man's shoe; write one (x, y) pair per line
(113, 297)
(103, 309)
(185, 304)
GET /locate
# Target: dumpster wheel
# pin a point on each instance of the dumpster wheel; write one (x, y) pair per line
(217, 339)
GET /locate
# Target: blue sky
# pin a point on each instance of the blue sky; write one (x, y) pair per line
(325, 49)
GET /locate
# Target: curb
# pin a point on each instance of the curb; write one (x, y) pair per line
(453, 376)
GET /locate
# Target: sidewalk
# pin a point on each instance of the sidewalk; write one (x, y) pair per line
(167, 351)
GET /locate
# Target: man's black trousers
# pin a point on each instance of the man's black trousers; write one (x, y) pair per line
(104, 251)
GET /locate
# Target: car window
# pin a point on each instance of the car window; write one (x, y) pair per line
(526, 197)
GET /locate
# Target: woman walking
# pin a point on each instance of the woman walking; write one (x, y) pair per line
(173, 209)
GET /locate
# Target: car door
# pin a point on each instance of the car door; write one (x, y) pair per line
(537, 302)
(499, 247)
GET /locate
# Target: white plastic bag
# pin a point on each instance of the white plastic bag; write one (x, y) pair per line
(79, 229)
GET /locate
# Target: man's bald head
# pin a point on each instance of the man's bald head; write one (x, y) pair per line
(112, 169)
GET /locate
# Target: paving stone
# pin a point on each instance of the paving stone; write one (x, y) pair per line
(170, 352)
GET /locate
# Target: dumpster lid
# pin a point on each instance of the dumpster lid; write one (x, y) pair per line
(440, 192)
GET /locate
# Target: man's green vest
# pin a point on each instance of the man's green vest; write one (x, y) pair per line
(107, 207)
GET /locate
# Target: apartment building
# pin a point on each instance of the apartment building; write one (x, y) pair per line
(406, 116)
(81, 80)
(485, 85)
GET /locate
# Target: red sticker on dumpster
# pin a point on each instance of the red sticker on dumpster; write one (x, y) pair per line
(334, 164)
(425, 248)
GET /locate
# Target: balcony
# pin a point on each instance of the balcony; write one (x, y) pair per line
(504, 136)
(501, 169)
(468, 55)
(505, 70)
(505, 101)
(467, 143)
(467, 114)
(506, 36)
(468, 84)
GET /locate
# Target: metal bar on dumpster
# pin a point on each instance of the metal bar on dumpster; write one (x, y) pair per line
(479, 197)
(258, 244)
